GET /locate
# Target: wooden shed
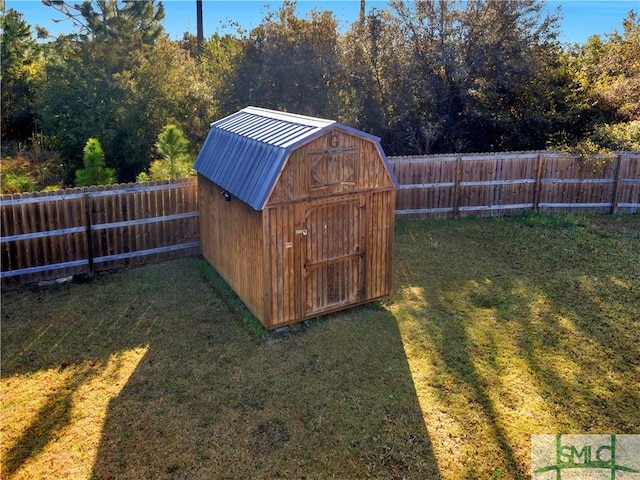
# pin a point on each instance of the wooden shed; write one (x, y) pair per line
(296, 213)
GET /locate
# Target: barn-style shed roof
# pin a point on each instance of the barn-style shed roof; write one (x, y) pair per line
(245, 152)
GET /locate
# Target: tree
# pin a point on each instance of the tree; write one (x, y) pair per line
(508, 61)
(94, 171)
(616, 77)
(125, 20)
(166, 86)
(219, 62)
(368, 93)
(175, 161)
(604, 91)
(85, 94)
(451, 76)
(21, 68)
(289, 63)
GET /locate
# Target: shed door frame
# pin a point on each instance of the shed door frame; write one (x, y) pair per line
(333, 254)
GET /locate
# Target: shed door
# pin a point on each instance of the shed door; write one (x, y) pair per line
(333, 268)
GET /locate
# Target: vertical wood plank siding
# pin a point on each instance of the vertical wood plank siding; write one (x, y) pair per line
(232, 241)
(448, 186)
(379, 237)
(280, 269)
(295, 181)
(49, 235)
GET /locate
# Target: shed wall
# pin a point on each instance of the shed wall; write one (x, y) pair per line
(233, 243)
(283, 272)
(302, 291)
(379, 261)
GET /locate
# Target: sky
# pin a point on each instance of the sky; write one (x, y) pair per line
(581, 18)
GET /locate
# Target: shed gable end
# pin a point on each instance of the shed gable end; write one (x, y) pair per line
(336, 162)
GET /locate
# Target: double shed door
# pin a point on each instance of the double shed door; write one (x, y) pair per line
(331, 254)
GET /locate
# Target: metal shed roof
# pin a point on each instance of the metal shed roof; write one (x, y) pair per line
(245, 152)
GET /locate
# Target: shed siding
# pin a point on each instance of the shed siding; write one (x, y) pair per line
(232, 242)
(283, 254)
(335, 163)
(379, 260)
(299, 290)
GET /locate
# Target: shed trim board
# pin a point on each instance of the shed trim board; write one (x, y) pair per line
(305, 225)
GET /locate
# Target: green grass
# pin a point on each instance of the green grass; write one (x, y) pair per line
(495, 330)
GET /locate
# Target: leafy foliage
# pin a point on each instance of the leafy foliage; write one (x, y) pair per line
(21, 68)
(441, 73)
(605, 83)
(94, 171)
(116, 19)
(29, 169)
(426, 77)
(289, 63)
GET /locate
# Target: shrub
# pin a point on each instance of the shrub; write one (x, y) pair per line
(94, 171)
(175, 161)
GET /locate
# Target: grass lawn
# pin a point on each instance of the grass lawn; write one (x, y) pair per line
(496, 329)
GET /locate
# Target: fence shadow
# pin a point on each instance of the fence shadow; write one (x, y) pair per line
(201, 397)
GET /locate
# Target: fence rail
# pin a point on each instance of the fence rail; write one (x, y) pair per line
(451, 186)
(49, 235)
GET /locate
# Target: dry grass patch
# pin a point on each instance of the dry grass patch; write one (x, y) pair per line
(53, 418)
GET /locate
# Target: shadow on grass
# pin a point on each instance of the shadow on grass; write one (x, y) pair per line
(50, 418)
(334, 398)
(522, 331)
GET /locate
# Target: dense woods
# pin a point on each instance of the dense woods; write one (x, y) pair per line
(427, 77)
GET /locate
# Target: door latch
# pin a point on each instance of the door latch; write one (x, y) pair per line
(302, 231)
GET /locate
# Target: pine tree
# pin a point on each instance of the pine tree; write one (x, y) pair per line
(94, 171)
(175, 161)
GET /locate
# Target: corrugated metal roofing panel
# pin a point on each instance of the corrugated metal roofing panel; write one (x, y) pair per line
(271, 127)
(245, 152)
(245, 168)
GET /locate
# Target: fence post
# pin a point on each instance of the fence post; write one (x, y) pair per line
(86, 200)
(457, 188)
(538, 185)
(615, 198)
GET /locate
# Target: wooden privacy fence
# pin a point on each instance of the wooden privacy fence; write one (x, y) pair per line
(446, 186)
(50, 235)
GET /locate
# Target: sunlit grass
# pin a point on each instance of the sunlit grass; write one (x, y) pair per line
(513, 328)
(52, 419)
